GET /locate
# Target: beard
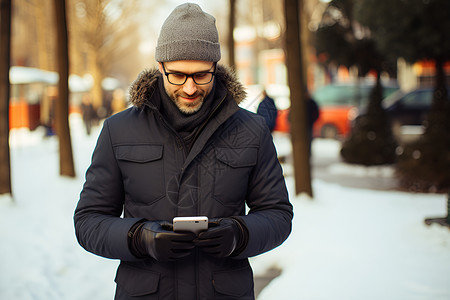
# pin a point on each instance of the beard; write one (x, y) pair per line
(188, 108)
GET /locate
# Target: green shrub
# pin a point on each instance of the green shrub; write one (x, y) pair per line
(371, 141)
(424, 165)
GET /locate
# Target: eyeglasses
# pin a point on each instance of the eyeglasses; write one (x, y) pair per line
(200, 78)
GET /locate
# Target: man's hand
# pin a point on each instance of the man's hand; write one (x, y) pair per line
(222, 238)
(156, 239)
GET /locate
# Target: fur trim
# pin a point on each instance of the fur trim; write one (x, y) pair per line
(143, 87)
(229, 78)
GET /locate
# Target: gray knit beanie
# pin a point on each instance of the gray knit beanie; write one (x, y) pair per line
(188, 34)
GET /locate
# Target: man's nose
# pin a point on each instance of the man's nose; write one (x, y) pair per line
(189, 86)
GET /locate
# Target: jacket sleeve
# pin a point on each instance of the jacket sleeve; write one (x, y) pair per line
(98, 224)
(269, 220)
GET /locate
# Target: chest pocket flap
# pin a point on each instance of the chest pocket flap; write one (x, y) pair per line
(237, 157)
(139, 153)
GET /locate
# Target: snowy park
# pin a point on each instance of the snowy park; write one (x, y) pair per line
(347, 242)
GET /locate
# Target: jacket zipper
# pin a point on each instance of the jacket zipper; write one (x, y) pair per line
(202, 126)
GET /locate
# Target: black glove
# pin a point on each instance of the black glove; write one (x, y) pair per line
(156, 239)
(225, 237)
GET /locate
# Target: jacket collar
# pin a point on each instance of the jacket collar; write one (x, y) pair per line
(141, 90)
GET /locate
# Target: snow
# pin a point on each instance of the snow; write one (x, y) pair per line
(20, 75)
(346, 243)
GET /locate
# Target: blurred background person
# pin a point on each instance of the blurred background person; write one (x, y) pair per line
(312, 114)
(268, 110)
(88, 112)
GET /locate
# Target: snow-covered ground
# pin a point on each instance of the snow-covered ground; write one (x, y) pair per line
(347, 243)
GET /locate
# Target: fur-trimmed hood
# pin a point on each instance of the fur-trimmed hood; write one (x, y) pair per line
(142, 88)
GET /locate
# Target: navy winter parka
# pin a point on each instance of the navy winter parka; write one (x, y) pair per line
(140, 169)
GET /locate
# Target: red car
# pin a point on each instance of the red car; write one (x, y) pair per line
(339, 105)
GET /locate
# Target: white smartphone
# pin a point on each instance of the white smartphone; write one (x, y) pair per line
(192, 224)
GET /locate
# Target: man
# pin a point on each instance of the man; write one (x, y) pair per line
(268, 110)
(185, 148)
(312, 115)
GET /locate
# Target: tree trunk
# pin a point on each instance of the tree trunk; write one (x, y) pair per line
(66, 164)
(5, 56)
(297, 86)
(447, 218)
(42, 34)
(231, 25)
(440, 102)
(440, 95)
(97, 74)
(43, 54)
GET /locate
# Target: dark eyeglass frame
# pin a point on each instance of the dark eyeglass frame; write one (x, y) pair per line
(186, 76)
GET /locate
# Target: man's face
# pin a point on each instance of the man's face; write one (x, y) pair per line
(189, 96)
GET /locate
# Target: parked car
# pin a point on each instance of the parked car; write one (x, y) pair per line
(339, 104)
(407, 110)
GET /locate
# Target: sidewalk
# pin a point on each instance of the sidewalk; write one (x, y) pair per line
(327, 165)
(359, 220)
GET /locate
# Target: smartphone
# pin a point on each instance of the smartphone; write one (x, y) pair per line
(192, 224)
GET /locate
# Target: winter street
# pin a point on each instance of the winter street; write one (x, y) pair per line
(359, 238)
